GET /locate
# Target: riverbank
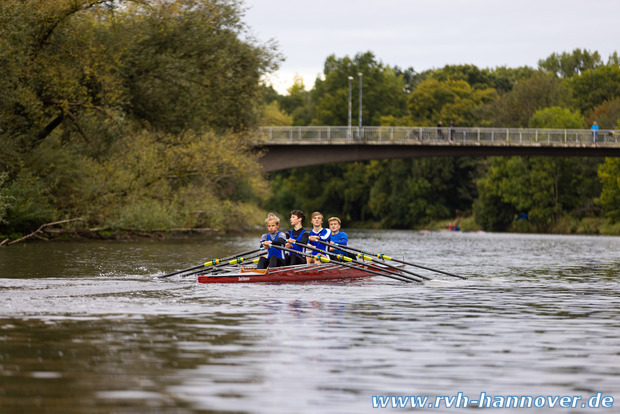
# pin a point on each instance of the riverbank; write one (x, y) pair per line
(567, 225)
(59, 231)
(46, 233)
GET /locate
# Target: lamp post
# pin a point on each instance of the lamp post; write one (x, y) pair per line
(360, 115)
(349, 118)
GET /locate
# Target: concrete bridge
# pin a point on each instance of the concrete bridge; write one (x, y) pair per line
(288, 147)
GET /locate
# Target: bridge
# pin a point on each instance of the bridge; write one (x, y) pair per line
(288, 147)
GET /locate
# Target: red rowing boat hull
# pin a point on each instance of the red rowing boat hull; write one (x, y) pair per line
(289, 274)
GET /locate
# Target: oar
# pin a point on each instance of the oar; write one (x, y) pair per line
(235, 261)
(209, 263)
(385, 257)
(229, 267)
(401, 278)
(363, 267)
(365, 257)
(417, 278)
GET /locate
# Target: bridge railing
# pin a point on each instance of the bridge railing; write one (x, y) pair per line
(434, 135)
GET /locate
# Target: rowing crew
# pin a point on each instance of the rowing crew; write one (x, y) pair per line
(318, 238)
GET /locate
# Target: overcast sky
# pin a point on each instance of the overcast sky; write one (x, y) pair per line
(426, 34)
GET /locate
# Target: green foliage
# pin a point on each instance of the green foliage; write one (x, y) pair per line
(382, 91)
(607, 114)
(542, 187)
(374, 191)
(500, 79)
(556, 117)
(129, 113)
(595, 86)
(274, 116)
(188, 68)
(515, 108)
(186, 178)
(609, 173)
(435, 100)
(31, 203)
(567, 65)
(5, 200)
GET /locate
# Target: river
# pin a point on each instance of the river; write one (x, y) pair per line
(86, 327)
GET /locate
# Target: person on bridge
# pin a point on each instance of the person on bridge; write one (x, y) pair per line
(451, 132)
(296, 234)
(594, 129)
(439, 130)
(318, 233)
(275, 257)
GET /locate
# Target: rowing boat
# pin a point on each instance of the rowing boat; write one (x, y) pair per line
(300, 273)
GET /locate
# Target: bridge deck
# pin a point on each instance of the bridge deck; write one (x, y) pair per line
(287, 147)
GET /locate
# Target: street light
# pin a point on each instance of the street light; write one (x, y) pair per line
(349, 119)
(360, 116)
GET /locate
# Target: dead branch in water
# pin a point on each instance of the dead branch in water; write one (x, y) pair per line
(40, 230)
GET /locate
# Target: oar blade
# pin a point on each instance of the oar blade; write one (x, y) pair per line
(213, 262)
(360, 253)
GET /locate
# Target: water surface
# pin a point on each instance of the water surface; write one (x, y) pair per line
(86, 327)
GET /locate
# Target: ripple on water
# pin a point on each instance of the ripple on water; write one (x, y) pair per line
(538, 315)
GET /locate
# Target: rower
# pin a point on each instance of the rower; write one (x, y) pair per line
(296, 234)
(275, 257)
(318, 233)
(337, 237)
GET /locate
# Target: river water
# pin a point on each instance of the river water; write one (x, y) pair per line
(85, 327)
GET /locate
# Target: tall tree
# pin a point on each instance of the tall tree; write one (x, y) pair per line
(556, 117)
(434, 100)
(382, 90)
(607, 114)
(567, 65)
(515, 108)
(609, 173)
(86, 78)
(595, 86)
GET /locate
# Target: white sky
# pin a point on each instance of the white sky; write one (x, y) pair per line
(428, 34)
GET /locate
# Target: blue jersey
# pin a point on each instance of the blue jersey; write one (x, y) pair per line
(280, 239)
(324, 236)
(300, 238)
(339, 238)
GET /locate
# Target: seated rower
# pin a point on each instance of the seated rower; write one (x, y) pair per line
(337, 237)
(296, 234)
(318, 233)
(275, 256)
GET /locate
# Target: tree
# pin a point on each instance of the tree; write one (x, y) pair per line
(556, 117)
(297, 103)
(435, 100)
(189, 68)
(87, 80)
(609, 173)
(176, 64)
(595, 86)
(495, 209)
(475, 77)
(567, 65)
(544, 188)
(382, 89)
(515, 108)
(274, 116)
(5, 200)
(607, 114)
(411, 192)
